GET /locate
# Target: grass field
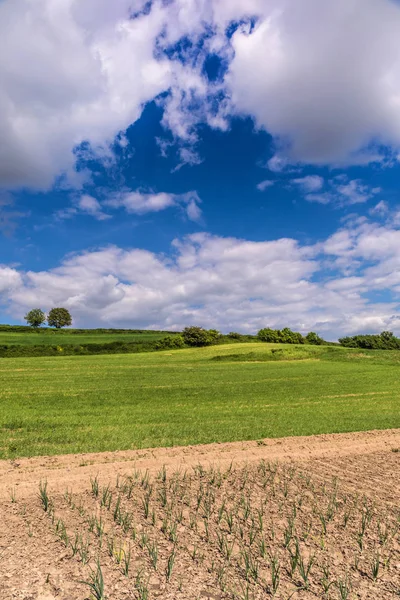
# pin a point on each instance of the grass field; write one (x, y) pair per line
(54, 337)
(97, 403)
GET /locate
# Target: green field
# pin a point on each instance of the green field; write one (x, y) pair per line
(95, 403)
(53, 337)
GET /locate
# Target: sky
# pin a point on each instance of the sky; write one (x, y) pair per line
(233, 164)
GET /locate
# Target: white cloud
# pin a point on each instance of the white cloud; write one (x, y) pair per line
(140, 203)
(189, 157)
(264, 185)
(310, 183)
(380, 209)
(84, 204)
(10, 279)
(227, 283)
(91, 206)
(325, 198)
(341, 192)
(277, 164)
(71, 71)
(321, 77)
(355, 192)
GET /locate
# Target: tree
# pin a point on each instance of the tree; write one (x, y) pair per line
(268, 335)
(59, 317)
(197, 336)
(314, 338)
(35, 317)
(287, 336)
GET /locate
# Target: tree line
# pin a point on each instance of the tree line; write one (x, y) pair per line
(381, 341)
(197, 336)
(192, 336)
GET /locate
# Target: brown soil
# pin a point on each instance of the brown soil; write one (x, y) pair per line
(224, 526)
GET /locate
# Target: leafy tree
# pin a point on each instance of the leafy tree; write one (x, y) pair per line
(268, 335)
(313, 338)
(287, 336)
(276, 336)
(197, 336)
(59, 317)
(35, 317)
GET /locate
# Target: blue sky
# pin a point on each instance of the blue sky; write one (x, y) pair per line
(231, 164)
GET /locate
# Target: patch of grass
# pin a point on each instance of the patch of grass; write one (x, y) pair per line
(109, 402)
(45, 337)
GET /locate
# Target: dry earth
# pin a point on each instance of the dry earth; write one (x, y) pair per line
(252, 514)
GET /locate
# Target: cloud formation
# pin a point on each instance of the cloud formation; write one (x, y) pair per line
(228, 283)
(321, 77)
(141, 203)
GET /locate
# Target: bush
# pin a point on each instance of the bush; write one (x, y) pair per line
(170, 342)
(383, 341)
(287, 336)
(276, 336)
(197, 336)
(234, 335)
(313, 338)
(269, 335)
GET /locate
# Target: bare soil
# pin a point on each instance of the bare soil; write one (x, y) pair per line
(223, 521)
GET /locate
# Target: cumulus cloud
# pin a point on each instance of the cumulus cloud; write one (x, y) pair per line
(71, 72)
(10, 279)
(321, 77)
(228, 283)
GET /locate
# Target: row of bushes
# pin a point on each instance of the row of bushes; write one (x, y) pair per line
(29, 329)
(382, 341)
(14, 351)
(287, 336)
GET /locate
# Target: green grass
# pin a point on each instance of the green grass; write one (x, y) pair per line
(54, 337)
(96, 403)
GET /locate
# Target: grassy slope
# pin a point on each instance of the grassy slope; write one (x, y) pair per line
(96, 403)
(53, 337)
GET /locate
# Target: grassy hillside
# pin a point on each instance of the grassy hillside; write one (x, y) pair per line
(31, 337)
(94, 403)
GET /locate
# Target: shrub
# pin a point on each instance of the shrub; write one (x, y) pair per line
(268, 335)
(287, 336)
(384, 341)
(234, 335)
(313, 338)
(197, 336)
(284, 336)
(170, 342)
(35, 317)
